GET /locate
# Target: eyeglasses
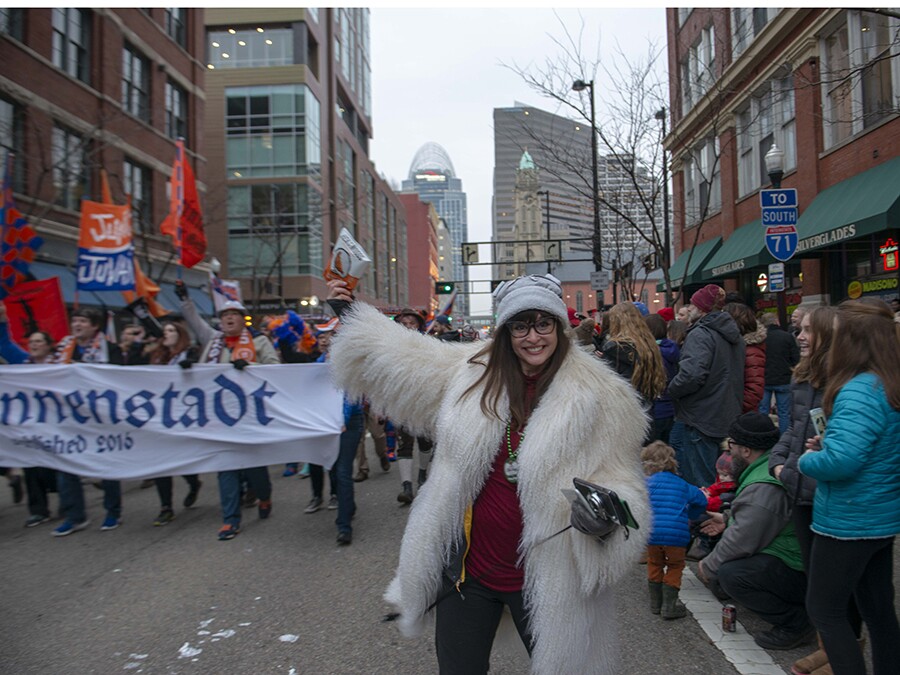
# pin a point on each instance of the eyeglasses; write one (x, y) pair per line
(731, 444)
(543, 326)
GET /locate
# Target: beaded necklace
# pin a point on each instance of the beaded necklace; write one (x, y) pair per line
(511, 467)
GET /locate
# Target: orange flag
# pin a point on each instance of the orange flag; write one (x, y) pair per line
(185, 221)
(144, 286)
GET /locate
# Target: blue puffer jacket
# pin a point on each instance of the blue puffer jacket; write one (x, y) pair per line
(674, 502)
(858, 467)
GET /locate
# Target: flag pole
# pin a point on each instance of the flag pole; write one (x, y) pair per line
(7, 192)
(178, 198)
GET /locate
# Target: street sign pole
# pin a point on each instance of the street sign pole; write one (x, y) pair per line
(779, 216)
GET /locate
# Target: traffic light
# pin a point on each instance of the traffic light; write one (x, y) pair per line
(443, 287)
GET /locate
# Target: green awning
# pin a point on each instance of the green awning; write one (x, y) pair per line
(859, 206)
(745, 248)
(701, 254)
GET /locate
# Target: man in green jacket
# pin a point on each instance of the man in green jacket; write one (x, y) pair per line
(757, 561)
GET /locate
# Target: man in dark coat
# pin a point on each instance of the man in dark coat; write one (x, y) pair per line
(708, 388)
(782, 354)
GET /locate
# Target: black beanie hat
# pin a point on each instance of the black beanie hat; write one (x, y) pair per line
(755, 431)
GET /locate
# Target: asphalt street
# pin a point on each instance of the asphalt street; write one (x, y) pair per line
(281, 598)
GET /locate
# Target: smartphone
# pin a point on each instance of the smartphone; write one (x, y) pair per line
(817, 417)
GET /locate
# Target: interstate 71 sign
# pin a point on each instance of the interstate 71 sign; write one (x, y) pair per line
(779, 215)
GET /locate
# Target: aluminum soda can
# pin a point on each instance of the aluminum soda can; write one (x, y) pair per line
(729, 618)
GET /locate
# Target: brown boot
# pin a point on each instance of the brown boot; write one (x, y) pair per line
(812, 661)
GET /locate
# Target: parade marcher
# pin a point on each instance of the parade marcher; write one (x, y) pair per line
(341, 471)
(757, 561)
(708, 388)
(856, 508)
(39, 480)
(405, 440)
(88, 344)
(236, 344)
(324, 332)
(175, 349)
(515, 420)
(443, 329)
(674, 503)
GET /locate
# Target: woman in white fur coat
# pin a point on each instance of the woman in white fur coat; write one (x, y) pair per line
(514, 422)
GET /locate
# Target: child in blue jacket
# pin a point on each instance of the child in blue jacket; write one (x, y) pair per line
(674, 502)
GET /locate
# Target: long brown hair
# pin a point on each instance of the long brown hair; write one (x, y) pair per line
(813, 368)
(626, 325)
(503, 373)
(162, 354)
(743, 316)
(866, 340)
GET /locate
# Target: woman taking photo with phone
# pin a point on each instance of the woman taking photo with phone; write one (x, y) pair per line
(856, 508)
(807, 389)
(514, 420)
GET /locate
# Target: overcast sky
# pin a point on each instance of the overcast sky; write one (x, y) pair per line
(437, 75)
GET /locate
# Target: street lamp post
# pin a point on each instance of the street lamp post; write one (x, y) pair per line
(775, 168)
(546, 194)
(581, 85)
(666, 263)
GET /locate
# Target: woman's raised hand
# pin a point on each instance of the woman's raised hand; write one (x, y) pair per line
(337, 290)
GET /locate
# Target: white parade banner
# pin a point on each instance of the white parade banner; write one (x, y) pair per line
(129, 422)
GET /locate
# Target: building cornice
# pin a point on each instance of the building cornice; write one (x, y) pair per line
(716, 109)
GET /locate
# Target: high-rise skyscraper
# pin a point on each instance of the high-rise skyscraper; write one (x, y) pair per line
(559, 154)
(559, 149)
(432, 177)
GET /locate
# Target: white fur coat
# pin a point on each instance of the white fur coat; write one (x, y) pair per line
(589, 425)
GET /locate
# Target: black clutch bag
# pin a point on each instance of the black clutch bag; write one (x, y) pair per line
(605, 504)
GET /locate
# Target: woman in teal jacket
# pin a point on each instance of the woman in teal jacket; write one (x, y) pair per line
(856, 509)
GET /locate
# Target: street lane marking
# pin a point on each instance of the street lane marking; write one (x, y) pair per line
(738, 647)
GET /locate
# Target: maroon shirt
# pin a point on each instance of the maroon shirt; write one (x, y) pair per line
(497, 522)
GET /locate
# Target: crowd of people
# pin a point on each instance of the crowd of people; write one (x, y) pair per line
(704, 423)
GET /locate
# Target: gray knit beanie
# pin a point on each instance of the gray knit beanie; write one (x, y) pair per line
(542, 292)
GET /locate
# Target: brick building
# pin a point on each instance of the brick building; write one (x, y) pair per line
(88, 89)
(422, 223)
(823, 85)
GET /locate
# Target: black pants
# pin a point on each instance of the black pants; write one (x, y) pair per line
(467, 623)
(765, 585)
(164, 488)
(39, 482)
(801, 516)
(405, 443)
(862, 568)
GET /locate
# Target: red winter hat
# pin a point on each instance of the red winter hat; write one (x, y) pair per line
(709, 298)
(573, 320)
(667, 314)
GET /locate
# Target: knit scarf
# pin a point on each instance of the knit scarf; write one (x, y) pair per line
(96, 352)
(244, 349)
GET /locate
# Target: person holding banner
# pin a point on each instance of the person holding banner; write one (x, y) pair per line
(39, 481)
(86, 344)
(175, 348)
(236, 344)
(515, 420)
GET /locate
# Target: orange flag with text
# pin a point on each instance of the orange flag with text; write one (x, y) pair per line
(144, 286)
(185, 220)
